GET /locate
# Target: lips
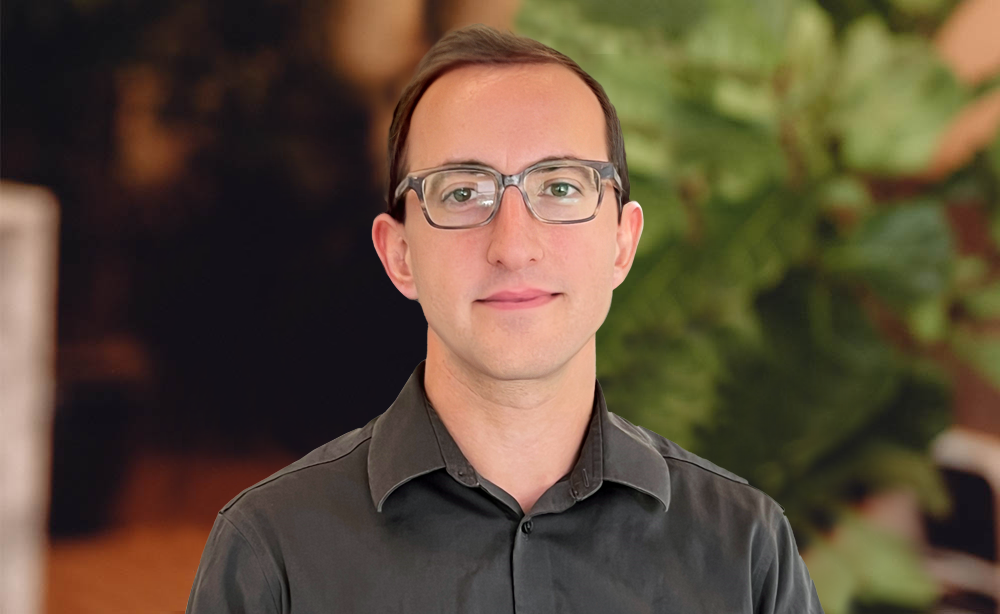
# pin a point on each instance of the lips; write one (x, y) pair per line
(518, 299)
(516, 296)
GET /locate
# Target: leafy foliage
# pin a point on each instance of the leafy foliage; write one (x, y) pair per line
(881, 129)
(745, 331)
(904, 253)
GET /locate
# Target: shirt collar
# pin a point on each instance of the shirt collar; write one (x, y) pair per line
(409, 440)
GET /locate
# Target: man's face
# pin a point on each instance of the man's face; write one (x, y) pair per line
(509, 118)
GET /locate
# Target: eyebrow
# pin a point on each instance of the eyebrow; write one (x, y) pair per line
(467, 161)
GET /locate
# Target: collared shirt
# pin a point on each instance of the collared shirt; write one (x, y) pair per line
(391, 517)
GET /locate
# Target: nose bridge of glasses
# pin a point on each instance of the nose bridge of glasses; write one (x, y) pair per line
(516, 189)
(523, 206)
(509, 180)
(517, 182)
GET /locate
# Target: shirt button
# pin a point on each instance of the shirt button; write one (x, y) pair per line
(526, 527)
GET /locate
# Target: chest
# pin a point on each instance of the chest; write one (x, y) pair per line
(476, 564)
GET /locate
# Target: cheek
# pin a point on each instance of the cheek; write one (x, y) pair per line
(443, 273)
(587, 264)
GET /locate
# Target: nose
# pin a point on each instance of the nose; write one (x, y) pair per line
(514, 240)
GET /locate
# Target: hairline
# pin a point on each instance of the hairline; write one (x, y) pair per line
(404, 148)
(540, 55)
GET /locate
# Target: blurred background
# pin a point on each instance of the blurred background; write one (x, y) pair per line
(189, 297)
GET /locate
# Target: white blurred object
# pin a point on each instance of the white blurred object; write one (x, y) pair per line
(29, 230)
(977, 455)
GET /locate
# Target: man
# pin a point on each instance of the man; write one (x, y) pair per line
(499, 481)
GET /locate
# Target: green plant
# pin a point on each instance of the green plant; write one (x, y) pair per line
(770, 144)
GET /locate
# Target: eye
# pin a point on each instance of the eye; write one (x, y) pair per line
(561, 189)
(459, 194)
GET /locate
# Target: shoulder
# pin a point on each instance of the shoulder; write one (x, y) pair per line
(335, 460)
(691, 474)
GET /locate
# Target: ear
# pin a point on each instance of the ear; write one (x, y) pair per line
(389, 237)
(627, 240)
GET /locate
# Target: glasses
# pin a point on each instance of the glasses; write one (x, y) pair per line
(468, 195)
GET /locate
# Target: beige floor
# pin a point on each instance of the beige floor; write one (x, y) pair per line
(146, 563)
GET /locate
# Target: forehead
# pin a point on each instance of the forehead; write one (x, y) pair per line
(507, 117)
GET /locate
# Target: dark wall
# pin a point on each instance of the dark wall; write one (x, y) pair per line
(245, 285)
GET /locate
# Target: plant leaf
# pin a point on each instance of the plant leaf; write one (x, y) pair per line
(905, 253)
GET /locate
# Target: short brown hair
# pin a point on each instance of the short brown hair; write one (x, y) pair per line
(479, 44)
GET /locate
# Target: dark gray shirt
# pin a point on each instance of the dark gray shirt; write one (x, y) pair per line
(391, 517)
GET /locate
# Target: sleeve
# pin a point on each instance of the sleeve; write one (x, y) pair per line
(230, 577)
(785, 585)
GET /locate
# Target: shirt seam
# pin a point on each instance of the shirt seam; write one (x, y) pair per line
(256, 556)
(437, 437)
(282, 474)
(762, 567)
(597, 452)
(742, 481)
(771, 553)
(721, 475)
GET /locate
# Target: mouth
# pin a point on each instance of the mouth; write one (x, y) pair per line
(523, 300)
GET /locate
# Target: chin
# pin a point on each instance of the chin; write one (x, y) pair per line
(511, 364)
(506, 355)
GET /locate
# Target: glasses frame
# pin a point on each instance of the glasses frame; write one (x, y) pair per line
(415, 181)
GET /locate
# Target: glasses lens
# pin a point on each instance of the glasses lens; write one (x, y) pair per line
(564, 193)
(457, 198)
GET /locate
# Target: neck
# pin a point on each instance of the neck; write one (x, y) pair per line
(523, 435)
